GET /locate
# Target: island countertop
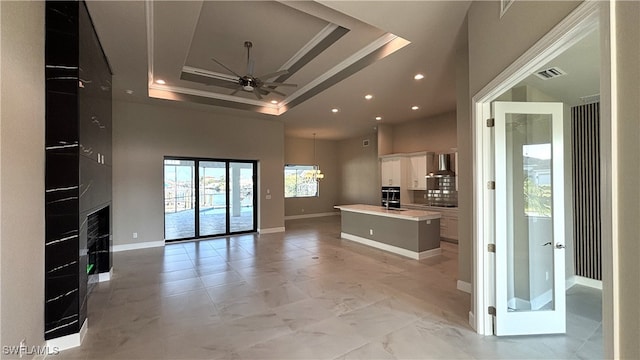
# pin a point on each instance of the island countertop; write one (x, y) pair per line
(406, 214)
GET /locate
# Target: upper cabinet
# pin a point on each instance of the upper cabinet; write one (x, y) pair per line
(392, 169)
(417, 172)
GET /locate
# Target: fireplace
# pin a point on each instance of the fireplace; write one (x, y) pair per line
(98, 261)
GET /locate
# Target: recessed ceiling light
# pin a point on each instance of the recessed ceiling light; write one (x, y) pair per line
(334, 110)
(129, 91)
(414, 107)
(378, 118)
(419, 77)
(274, 101)
(160, 81)
(368, 96)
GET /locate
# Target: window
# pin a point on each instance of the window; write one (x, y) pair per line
(300, 181)
(537, 179)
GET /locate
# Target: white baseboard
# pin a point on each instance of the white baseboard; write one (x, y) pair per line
(541, 300)
(429, 253)
(307, 216)
(390, 248)
(105, 276)
(137, 246)
(68, 341)
(464, 286)
(472, 321)
(533, 304)
(271, 230)
(518, 303)
(584, 281)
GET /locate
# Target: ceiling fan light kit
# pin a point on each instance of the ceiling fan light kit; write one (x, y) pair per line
(255, 84)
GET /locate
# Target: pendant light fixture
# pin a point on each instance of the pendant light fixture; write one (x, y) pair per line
(317, 174)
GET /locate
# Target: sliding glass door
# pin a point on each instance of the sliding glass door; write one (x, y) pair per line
(209, 197)
(212, 207)
(179, 199)
(242, 197)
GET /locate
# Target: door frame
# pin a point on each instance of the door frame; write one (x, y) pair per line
(587, 16)
(197, 161)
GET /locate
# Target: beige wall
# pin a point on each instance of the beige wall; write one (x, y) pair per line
(385, 139)
(359, 173)
(436, 133)
(22, 173)
(143, 134)
(625, 177)
(299, 151)
(495, 43)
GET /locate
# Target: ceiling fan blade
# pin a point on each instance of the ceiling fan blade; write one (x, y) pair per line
(236, 90)
(269, 90)
(278, 84)
(224, 66)
(273, 74)
(225, 85)
(257, 93)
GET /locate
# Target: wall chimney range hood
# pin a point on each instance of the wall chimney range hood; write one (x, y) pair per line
(444, 167)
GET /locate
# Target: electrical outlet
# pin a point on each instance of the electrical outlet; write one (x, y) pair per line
(302, 210)
(135, 235)
(370, 231)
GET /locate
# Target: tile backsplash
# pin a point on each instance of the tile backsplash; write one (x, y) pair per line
(442, 194)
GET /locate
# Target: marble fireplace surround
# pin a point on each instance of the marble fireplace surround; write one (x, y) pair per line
(77, 167)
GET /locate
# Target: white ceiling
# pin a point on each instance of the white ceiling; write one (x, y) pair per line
(581, 63)
(372, 47)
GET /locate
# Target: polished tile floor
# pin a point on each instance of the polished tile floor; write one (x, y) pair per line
(303, 294)
(182, 224)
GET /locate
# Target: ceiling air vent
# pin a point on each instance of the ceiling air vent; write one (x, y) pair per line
(589, 99)
(550, 73)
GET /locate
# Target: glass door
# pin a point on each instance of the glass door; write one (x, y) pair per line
(179, 199)
(241, 196)
(529, 225)
(212, 205)
(222, 191)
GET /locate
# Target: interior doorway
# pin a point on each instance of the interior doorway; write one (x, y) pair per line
(521, 82)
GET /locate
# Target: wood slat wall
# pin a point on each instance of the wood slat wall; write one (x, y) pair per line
(585, 123)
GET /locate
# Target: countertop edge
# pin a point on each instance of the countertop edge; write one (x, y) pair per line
(428, 215)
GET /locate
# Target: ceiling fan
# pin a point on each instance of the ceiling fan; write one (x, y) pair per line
(255, 84)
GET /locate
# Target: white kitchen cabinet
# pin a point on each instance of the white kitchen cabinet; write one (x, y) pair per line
(417, 171)
(392, 169)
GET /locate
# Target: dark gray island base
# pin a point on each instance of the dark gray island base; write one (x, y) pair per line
(411, 233)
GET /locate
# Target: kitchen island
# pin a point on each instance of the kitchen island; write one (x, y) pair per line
(411, 233)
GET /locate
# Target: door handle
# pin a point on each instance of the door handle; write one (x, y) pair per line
(559, 246)
(546, 244)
